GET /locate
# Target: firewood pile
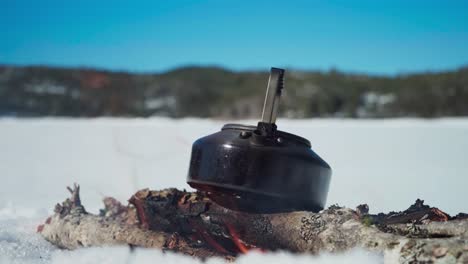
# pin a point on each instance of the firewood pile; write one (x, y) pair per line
(190, 223)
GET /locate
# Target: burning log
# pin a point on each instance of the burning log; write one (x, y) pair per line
(191, 223)
(72, 227)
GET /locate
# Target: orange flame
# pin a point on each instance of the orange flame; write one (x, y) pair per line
(237, 241)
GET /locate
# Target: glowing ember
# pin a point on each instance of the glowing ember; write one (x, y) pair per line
(232, 245)
(209, 239)
(439, 215)
(235, 238)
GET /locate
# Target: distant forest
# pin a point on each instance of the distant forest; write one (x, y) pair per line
(220, 93)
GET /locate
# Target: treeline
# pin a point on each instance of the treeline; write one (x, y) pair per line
(220, 93)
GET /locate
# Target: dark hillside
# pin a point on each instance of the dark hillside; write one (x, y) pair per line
(220, 93)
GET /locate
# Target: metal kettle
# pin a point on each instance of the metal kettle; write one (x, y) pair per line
(260, 169)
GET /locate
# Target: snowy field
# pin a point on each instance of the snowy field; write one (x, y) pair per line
(385, 163)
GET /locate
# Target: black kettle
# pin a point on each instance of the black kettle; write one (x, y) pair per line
(260, 169)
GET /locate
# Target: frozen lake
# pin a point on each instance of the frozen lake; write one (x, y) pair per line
(385, 163)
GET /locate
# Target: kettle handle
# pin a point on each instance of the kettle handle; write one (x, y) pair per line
(273, 94)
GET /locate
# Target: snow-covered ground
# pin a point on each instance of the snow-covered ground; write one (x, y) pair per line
(386, 163)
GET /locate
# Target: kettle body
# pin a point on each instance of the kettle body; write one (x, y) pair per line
(243, 169)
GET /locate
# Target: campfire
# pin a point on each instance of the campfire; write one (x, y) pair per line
(191, 223)
(221, 235)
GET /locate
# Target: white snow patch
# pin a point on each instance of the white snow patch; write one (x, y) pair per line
(19, 242)
(353, 256)
(123, 255)
(370, 160)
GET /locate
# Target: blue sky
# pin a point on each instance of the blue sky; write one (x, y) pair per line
(150, 36)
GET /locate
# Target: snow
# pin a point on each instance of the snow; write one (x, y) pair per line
(386, 163)
(122, 255)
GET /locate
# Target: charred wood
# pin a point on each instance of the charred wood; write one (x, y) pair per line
(193, 224)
